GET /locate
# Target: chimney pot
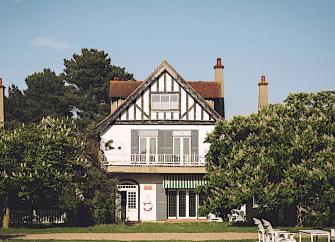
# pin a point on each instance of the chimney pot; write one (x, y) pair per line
(218, 64)
(0, 81)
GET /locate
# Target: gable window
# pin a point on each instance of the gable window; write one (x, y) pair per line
(164, 101)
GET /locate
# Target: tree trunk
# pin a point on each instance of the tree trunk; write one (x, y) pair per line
(6, 218)
(299, 216)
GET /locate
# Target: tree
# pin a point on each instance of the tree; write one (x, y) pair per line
(38, 162)
(282, 156)
(90, 73)
(47, 95)
(16, 107)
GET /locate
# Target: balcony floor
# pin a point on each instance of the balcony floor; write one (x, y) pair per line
(156, 169)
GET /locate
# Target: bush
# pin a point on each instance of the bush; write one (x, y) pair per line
(103, 205)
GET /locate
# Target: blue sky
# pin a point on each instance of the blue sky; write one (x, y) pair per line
(291, 42)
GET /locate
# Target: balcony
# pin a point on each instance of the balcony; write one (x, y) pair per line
(155, 160)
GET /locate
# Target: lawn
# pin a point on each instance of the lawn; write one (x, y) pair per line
(158, 227)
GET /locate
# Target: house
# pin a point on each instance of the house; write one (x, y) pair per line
(153, 140)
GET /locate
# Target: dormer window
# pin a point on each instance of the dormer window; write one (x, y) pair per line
(164, 101)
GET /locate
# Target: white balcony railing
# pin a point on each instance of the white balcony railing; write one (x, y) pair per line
(154, 160)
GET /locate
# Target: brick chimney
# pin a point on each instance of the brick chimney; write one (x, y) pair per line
(218, 75)
(2, 104)
(262, 93)
(218, 71)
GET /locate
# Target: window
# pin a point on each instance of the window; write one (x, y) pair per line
(155, 101)
(164, 101)
(131, 199)
(172, 200)
(148, 145)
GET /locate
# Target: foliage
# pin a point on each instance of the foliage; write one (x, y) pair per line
(90, 72)
(43, 166)
(80, 92)
(45, 95)
(104, 207)
(282, 156)
(15, 104)
(38, 160)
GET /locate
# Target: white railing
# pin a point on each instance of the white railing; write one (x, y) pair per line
(44, 216)
(155, 160)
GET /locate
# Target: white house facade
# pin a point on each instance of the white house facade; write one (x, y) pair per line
(153, 141)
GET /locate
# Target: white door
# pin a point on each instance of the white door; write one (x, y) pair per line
(182, 149)
(148, 149)
(130, 201)
(132, 206)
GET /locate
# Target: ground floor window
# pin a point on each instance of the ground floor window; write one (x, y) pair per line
(183, 204)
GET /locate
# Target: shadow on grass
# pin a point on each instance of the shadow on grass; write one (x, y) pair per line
(9, 236)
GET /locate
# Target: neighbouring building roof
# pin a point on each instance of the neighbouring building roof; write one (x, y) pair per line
(206, 89)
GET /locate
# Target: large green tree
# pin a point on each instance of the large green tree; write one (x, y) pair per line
(282, 156)
(38, 162)
(90, 72)
(45, 95)
(16, 107)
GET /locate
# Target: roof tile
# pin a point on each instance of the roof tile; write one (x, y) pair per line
(206, 89)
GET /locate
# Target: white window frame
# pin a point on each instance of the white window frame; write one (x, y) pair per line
(160, 101)
(147, 144)
(197, 205)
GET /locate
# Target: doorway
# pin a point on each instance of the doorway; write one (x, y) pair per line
(183, 204)
(129, 201)
(182, 149)
(148, 149)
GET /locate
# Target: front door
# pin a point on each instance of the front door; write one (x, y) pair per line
(129, 201)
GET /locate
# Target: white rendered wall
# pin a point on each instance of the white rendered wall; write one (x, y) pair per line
(147, 202)
(121, 135)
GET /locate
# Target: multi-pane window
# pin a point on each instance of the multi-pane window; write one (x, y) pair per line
(172, 200)
(148, 145)
(182, 203)
(131, 199)
(164, 101)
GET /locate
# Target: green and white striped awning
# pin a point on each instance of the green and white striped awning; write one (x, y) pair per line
(182, 181)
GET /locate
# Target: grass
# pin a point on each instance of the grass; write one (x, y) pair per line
(144, 228)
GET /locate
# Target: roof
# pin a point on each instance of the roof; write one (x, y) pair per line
(122, 89)
(206, 89)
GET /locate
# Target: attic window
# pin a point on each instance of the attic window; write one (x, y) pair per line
(164, 101)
